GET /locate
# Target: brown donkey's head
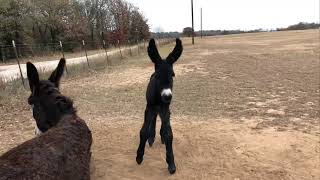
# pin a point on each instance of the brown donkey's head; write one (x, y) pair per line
(48, 104)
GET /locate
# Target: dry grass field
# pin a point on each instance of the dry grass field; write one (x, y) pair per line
(244, 107)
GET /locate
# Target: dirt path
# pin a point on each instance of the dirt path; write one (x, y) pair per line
(244, 107)
(207, 149)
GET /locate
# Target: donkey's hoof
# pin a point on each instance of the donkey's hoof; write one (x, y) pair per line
(172, 169)
(139, 159)
(151, 141)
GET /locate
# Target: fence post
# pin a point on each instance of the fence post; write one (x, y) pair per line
(30, 48)
(40, 50)
(61, 49)
(85, 50)
(105, 49)
(138, 47)
(2, 54)
(17, 58)
(120, 49)
(130, 51)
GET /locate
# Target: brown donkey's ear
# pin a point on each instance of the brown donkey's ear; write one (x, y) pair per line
(33, 78)
(153, 52)
(176, 53)
(58, 72)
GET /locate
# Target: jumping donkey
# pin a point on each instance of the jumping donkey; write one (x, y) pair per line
(159, 95)
(62, 148)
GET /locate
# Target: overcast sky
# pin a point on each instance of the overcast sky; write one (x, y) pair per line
(174, 15)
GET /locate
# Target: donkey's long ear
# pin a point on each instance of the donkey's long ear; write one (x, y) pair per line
(176, 53)
(153, 52)
(58, 72)
(33, 78)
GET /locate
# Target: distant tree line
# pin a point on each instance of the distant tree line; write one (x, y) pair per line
(161, 35)
(187, 31)
(301, 26)
(50, 21)
(226, 32)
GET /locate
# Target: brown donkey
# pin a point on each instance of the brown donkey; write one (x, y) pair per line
(62, 149)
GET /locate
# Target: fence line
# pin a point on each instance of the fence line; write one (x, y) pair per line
(7, 52)
(127, 50)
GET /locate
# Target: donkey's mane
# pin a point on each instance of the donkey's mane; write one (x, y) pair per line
(64, 103)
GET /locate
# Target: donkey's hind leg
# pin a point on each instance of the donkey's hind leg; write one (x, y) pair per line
(152, 129)
(144, 133)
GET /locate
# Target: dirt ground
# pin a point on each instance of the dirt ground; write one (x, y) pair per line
(244, 107)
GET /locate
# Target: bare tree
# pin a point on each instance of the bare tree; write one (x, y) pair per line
(47, 21)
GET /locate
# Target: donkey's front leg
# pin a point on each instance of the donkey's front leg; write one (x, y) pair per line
(161, 134)
(144, 133)
(167, 136)
(152, 129)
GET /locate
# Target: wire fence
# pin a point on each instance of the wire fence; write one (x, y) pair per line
(7, 52)
(92, 54)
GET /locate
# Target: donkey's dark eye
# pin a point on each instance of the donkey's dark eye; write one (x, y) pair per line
(59, 98)
(31, 100)
(157, 75)
(45, 86)
(49, 92)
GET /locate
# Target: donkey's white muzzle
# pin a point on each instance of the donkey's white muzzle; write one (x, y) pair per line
(166, 95)
(37, 131)
(166, 92)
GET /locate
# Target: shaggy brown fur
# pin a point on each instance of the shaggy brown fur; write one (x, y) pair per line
(62, 153)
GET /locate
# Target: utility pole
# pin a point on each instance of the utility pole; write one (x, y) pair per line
(201, 23)
(192, 22)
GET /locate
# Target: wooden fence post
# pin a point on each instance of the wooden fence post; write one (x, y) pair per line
(62, 52)
(2, 54)
(105, 49)
(138, 48)
(130, 51)
(17, 58)
(120, 49)
(31, 50)
(61, 48)
(85, 50)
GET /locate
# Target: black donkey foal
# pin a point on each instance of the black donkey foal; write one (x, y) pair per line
(159, 95)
